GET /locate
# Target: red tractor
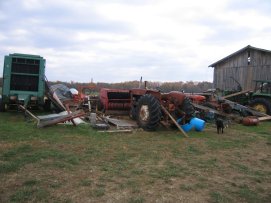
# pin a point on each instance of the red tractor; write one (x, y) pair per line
(149, 107)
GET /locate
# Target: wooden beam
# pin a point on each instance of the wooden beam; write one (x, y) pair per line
(62, 119)
(28, 112)
(208, 109)
(116, 131)
(67, 105)
(174, 121)
(248, 108)
(237, 93)
(264, 118)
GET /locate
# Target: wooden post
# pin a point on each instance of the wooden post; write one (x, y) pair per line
(32, 115)
(174, 121)
(89, 105)
(67, 105)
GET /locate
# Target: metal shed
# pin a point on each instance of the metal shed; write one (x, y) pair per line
(243, 66)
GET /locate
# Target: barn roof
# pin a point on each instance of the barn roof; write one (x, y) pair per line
(237, 52)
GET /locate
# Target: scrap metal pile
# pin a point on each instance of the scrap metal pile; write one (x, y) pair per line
(244, 106)
(26, 87)
(147, 108)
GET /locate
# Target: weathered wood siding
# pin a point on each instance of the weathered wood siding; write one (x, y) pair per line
(237, 67)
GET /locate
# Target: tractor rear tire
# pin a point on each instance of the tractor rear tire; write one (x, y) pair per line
(148, 112)
(262, 105)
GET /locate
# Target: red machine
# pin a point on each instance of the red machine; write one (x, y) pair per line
(195, 98)
(144, 105)
(115, 99)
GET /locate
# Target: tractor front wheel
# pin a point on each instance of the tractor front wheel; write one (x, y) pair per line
(262, 105)
(148, 112)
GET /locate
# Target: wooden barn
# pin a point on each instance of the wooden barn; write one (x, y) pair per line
(243, 66)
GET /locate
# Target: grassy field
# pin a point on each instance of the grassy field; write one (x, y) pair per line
(68, 164)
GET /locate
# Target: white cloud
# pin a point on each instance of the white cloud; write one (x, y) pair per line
(118, 40)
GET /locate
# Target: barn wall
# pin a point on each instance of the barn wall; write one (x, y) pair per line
(237, 67)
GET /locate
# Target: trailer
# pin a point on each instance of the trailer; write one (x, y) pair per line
(23, 82)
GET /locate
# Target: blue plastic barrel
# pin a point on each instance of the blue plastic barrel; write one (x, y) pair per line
(187, 127)
(199, 124)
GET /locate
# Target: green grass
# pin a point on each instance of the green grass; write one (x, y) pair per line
(15, 158)
(230, 143)
(99, 192)
(29, 194)
(248, 195)
(136, 200)
(168, 171)
(77, 164)
(217, 197)
(86, 182)
(193, 150)
(30, 191)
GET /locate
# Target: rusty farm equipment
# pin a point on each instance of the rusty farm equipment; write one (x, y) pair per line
(23, 82)
(149, 107)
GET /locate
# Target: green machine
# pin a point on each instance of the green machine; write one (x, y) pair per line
(261, 97)
(23, 81)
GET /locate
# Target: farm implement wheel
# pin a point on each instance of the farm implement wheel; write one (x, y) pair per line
(148, 112)
(132, 113)
(261, 105)
(2, 106)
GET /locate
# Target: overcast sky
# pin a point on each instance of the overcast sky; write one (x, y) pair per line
(121, 40)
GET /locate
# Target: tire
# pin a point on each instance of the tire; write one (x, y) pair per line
(2, 106)
(262, 105)
(185, 109)
(188, 107)
(132, 113)
(148, 112)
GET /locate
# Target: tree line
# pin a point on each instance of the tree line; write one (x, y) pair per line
(189, 86)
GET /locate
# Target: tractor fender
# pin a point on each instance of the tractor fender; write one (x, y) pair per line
(175, 97)
(136, 92)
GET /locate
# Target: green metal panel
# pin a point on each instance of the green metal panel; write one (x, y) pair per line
(265, 95)
(6, 78)
(23, 76)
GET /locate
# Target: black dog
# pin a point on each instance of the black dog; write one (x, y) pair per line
(219, 125)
